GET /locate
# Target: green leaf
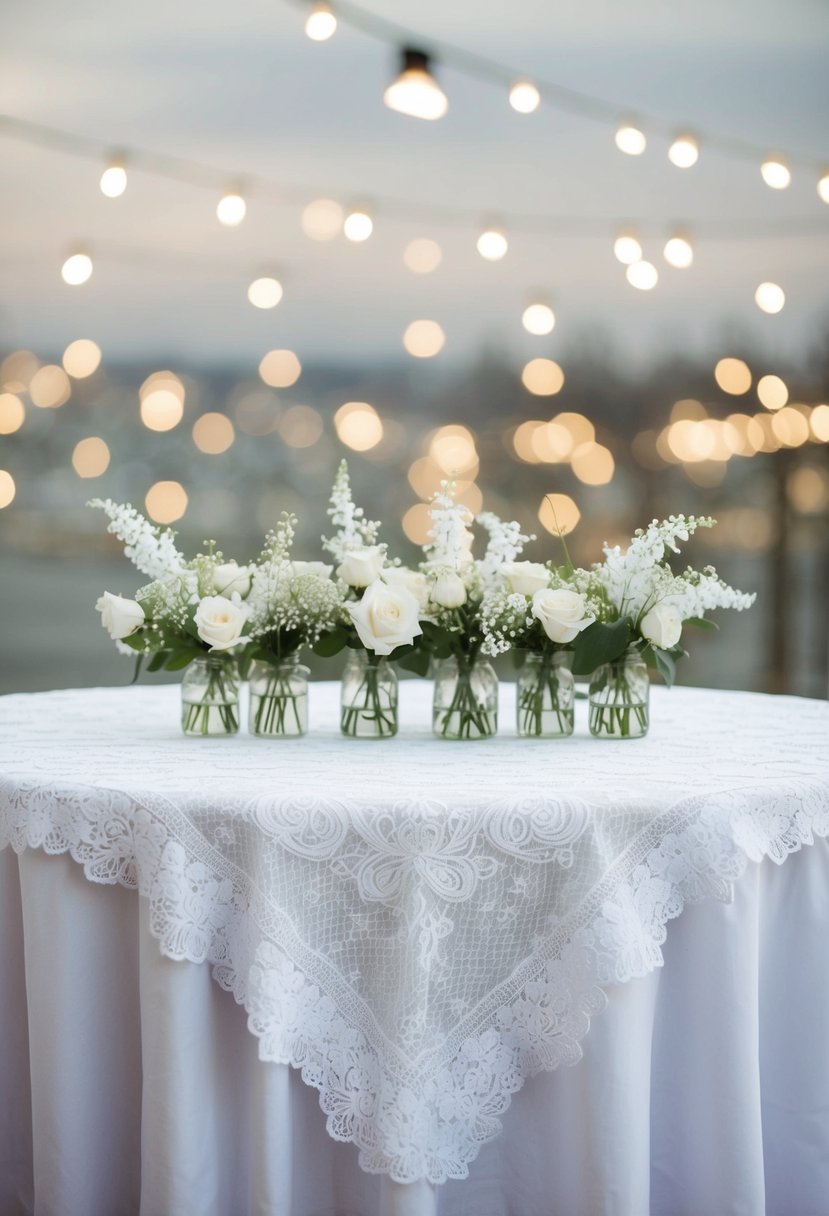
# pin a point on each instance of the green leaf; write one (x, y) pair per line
(180, 659)
(700, 622)
(329, 644)
(664, 662)
(158, 660)
(600, 643)
(135, 641)
(416, 659)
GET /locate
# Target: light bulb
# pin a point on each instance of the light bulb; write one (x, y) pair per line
(678, 251)
(630, 139)
(642, 275)
(627, 248)
(823, 187)
(231, 209)
(538, 319)
(265, 292)
(76, 269)
(776, 173)
(492, 244)
(358, 225)
(114, 180)
(684, 151)
(769, 298)
(524, 97)
(415, 91)
(320, 24)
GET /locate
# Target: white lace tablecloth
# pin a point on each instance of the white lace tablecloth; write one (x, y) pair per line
(417, 925)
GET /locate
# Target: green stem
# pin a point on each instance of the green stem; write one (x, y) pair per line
(366, 705)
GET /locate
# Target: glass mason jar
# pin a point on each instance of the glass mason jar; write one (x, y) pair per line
(619, 698)
(545, 696)
(278, 698)
(210, 697)
(368, 697)
(465, 704)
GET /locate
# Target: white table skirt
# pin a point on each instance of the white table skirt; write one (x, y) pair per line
(129, 1083)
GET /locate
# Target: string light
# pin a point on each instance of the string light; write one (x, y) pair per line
(422, 255)
(49, 387)
(231, 209)
(733, 376)
(358, 225)
(91, 457)
(542, 377)
(538, 319)
(161, 409)
(770, 298)
(280, 368)
(627, 248)
(7, 489)
(322, 220)
(772, 392)
(524, 97)
(642, 275)
(81, 358)
(492, 244)
(166, 501)
(114, 179)
(358, 426)
(678, 251)
(776, 173)
(320, 24)
(415, 91)
(424, 339)
(265, 292)
(558, 514)
(77, 269)
(684, 151)
(213, 433)
(630, 140)
(12, 413)
(823, 186)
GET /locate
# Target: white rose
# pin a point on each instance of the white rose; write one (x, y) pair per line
(121, 617)
(412, 580)
(563, 614)
(449, 590)
(318, 568)
(361, 566)
(526, 577)
(386, 617)
(662, 626)
(229, 578)
(220, 621)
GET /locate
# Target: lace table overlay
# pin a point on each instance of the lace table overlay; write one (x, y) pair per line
(417, 925)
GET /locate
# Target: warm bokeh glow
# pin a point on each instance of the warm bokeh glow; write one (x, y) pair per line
(550, 443)
(166, 501)
(113, 181)
(213, 433)
(17, 369)
(678, 252)
(772, 392)
(415, 92)
(76, 269)
(819, 423)
(453, 449)
(320, 24)
(770, 298)
(424, 339)
(642, 275)
(593, 464)
(300, 426)
(538, 319)
(358, 426)
(358, 226)
(422, 255)
(161, 409)
(627, 248)
(523, 440)
(81, 358)
(558, 514)
(280, 368)
(265, 292)
(524, 97)
(166, 380)
(231, 209)
(581, 429)
(688, 407)
(776, 173)
(7, 489)
(790, 426)
(630, 139)
(684, 152)
(492, 244)
(90, 457)
(823, 187)
(322, 220)
(542, 377)
(733, 376)
(417, 523)
(12, 413)
(808, 489)
(49, 387)
(256, 412)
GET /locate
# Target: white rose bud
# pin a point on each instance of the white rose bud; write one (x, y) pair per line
(526, 578)
(119, 616)
(386, 617)
(412, 580)
(318, 568)
(449, 590)
(360, 567)
(220, 621)
(662, 626)
(563, 614)
(230, 578)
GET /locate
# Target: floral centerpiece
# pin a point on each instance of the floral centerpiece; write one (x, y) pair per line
(191, 615)
(641, 607)
(290, 605)
(379, 618)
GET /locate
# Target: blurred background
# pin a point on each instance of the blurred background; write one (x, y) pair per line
(227, 259)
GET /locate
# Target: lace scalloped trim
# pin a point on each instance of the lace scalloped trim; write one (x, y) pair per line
(534, 1022)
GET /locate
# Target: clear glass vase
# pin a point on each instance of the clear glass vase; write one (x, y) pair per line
(619, 695)
(210, 697)
(545, 696)
(278, 699)
(368, 697)
(465, 704)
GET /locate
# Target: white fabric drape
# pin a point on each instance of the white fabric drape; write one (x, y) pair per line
(130, 1085)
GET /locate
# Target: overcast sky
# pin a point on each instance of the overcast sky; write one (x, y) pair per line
(239, 86)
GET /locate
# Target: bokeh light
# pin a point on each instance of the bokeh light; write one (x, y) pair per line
(776, 173)
(417, 523)
(593, 464)
(213, 433)
(770, 298)
(161, 409)
(684, 151)
(163, 379)
(688, 407)
(358, 426)
(678, 252)
(322, 220)
(166, 501)
(300, 426)
(558, 514)
(819, 423)
(90, 457)
(424, 339)
(642, 275)
(542, 377)
(7, 488)
(321, 23)
(231, 209)
(524, 97)
(453, 449)
(823, 187)
(81, 358)
(772, 392)
(733, 376)
(808, 489)
(256, 412)
(265, 292)
(790, 426)
(113, 181)
(17, 369)
(538, 319)
(422, 255)
(49, 387)
(492, 244)
(12, 413)
(280, 368)
(630, 140)
(358, 226)
(627, 248)
(77, 269)
(551, 443)
(581, 429)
